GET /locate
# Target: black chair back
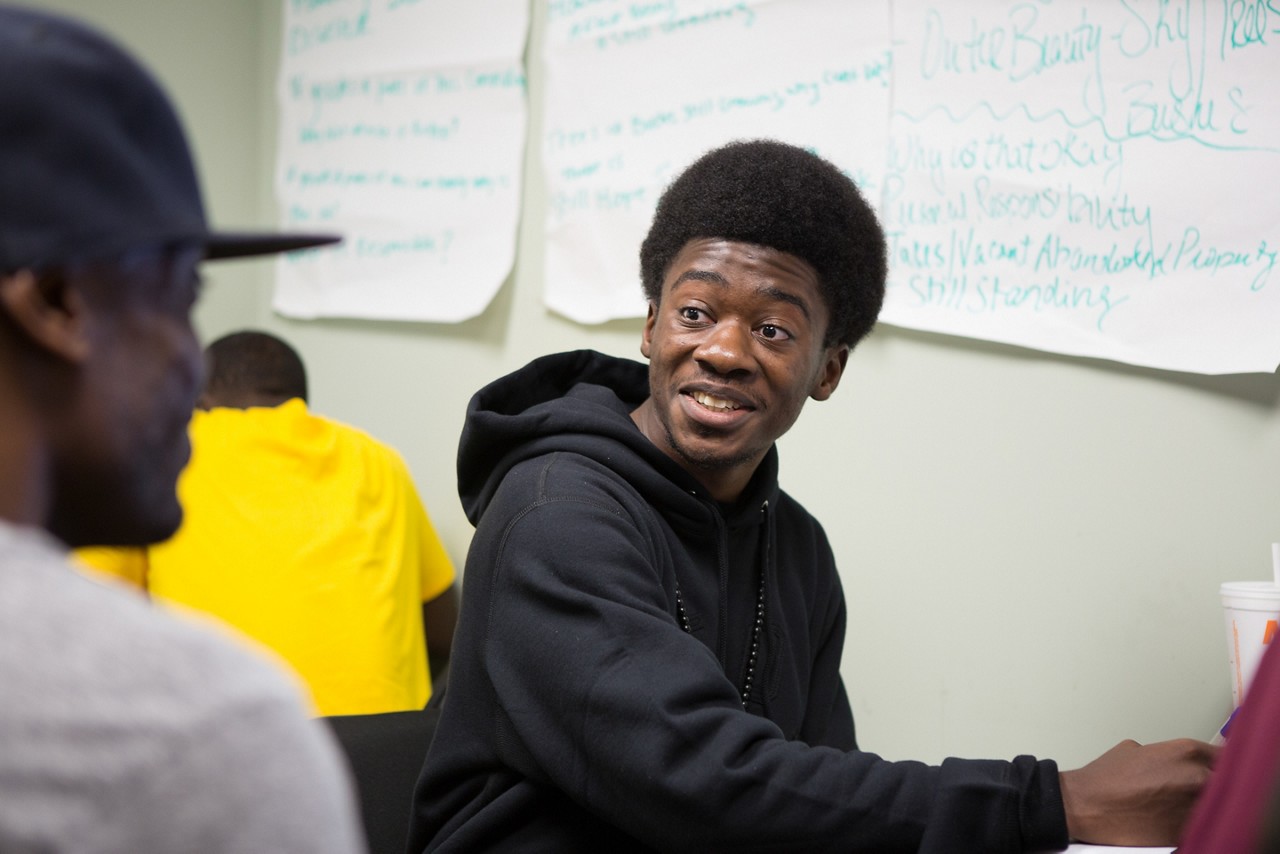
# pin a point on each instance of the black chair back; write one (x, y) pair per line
(386, 752)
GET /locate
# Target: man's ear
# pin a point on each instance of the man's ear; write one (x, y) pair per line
(49, 312)
(835, 359)
(646, 337)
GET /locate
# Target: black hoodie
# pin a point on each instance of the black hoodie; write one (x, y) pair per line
(580, 716)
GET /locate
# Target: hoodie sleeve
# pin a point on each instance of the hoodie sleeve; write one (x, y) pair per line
(602, 696)
(828, 717)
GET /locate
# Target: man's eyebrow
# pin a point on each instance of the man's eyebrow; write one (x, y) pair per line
(784, 296)
(700, 276)
(771, 292)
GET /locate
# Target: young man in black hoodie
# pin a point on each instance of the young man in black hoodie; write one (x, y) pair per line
(649, 649)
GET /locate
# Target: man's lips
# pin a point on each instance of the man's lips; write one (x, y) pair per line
(718, 400)
(713, 402)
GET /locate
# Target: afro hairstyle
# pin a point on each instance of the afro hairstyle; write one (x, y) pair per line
(772, 194)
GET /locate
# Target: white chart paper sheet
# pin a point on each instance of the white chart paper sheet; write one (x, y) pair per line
(402, 127)
(636, 91)
(1095, 179)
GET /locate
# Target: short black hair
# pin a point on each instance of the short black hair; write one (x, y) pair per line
(784, 197)
(254, 363)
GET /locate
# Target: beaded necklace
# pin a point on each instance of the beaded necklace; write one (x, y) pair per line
(755, 634)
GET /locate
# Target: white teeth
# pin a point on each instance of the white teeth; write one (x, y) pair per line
(713, 402)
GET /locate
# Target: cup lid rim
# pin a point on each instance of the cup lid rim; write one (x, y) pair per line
(1250, 588)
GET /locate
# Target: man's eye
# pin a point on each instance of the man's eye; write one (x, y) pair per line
(774, 333)
(691, 313)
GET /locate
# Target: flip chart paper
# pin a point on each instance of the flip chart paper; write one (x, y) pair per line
(402, 127)
(637, 90)
(1088, 179)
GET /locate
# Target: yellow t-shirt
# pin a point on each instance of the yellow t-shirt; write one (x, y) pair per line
(308, 536)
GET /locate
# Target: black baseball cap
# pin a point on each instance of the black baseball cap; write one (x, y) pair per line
(93, 158)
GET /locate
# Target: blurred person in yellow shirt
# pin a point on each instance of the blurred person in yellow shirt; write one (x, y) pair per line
(305, 534)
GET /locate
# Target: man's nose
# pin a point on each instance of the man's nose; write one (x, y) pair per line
(726, 348)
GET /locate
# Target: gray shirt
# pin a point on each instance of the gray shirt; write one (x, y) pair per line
(126, 729)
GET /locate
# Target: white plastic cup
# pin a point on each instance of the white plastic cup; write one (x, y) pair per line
(1252, 609)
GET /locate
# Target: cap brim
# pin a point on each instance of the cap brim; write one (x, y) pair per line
(246, 244)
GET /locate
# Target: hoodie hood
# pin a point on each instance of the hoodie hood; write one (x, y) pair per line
(581, 402)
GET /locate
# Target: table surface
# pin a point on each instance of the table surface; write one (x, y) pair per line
(1081, 848)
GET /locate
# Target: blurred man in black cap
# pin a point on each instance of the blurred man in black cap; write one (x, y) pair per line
(120, 729)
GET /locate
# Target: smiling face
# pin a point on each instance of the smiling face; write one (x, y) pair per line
(735, 348)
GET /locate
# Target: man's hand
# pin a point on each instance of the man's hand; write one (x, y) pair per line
(1136, 794)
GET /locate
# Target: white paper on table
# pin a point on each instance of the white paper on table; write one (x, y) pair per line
(1087, 179)
(402, 127)
(637, 91)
